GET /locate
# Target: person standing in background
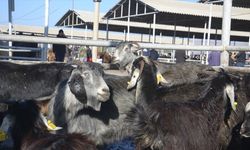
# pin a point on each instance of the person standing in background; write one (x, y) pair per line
(60, 49)
(240, 59)
(214, 58)
(89, 54)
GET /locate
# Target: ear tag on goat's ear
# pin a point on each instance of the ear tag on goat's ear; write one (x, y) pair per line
(3, 136)
(159, 78)
(128, 82)
(235, 104)
(51, 125)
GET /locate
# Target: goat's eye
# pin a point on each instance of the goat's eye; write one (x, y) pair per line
(85, 74)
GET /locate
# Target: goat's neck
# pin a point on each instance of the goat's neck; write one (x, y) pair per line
(216, 97)
(146, 88)
(130, 57)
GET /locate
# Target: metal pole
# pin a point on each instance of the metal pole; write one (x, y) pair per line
(174, 37)
(160, 37)
(216, 36)
(46, 30)
(209, 23)
(204, 34)
(72, 23)
(188, 35)
(149, 32)
(96, 28)
(128, 26)
(50, 40)
(226, 28)
(249, 41)
(11, 8)
(209, 29)
(203, 42)
(107, 29)
(85, 32)
(124, 33)
(154, 22)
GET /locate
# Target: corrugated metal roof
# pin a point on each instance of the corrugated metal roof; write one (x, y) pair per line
(87, 16)
(236, 3)
(196, 9)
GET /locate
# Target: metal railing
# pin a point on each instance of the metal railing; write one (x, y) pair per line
(103, 43)
(50, 40)
(4, 48)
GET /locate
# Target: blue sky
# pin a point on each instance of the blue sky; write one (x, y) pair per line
(31, 12)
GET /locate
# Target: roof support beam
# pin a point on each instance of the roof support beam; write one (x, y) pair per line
(149, 13)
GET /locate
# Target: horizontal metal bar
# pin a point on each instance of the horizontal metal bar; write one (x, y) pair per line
(104, 43)
(21, 48)
(16, 50)
(20, 58)
(194, 48)
(50, 40)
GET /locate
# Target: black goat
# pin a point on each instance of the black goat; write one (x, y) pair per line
(193, 125)
(31, 81)
(245, 127)
(29, 132)
(174, 74)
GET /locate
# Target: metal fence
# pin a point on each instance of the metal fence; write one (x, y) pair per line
(103, 43)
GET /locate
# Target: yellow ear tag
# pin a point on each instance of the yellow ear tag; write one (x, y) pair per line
(3, 136)
(128, 82)
(159, 78)
(235, 104)
(51, 125)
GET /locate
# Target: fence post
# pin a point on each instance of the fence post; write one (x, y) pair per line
(226, 28)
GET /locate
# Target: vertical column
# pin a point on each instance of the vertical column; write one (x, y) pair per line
(46, 30)
(226, 28)
(107, 29)
(160, 37)
(128, 25)
(154, 22)
(85, 32)
(209, 24)
(96, 28)
(249, 41)
(11, 8)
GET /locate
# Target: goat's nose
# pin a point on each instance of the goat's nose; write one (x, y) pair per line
(104, 94)
(105, 90)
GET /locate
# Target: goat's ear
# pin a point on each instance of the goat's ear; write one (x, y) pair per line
(137, 68)
(76, 84)
(134, 47)
(230, 94)
(134, 78)
(139, 63)
(50, 126)
(160, 79)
